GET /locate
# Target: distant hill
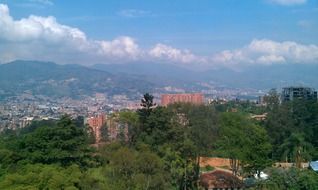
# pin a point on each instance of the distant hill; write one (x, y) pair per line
(47, 78)
(257, 77)
(133, 79)
(266, 76)
(163, 70)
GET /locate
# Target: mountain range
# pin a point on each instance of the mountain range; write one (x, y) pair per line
(258, 76)
(133, 79)
(53, 80)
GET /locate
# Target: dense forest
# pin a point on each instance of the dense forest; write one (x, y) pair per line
(164, 147)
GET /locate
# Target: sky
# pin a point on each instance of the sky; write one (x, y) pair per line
(199, 33)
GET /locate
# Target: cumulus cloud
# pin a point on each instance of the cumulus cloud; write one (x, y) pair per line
(169, 53)
(44, 38)
(269, 52)
(288, 2)
(120, 47)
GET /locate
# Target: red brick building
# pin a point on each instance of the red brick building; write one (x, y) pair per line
(196, 98)
(96, 123)
(115, 129)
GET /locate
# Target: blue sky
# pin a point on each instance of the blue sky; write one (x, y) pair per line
(202, 28)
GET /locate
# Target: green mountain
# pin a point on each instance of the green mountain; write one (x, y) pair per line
(50, 79)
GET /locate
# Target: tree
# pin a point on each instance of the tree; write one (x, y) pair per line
(63, 144)
(245, 143)
(296, 149)
(293, 179)
(131, 169)
(131, 119)
(203, 127)
(147, 101)
(104, 133)
(299, 116)
(279, 125)
(147, 105)
(272, 99)
(38, 176)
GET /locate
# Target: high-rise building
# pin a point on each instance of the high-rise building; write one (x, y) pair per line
(107, 128)
(96, 123)
(292, 93)
(195, 98)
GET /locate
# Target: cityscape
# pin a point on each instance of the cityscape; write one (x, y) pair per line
(149, 95)
(19, 111)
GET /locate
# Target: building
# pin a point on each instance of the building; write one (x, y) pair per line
(116, 130)
(96, 123)
(107, 128)
(219, 179)
(292, 93)
(260, 117)
(196, 98)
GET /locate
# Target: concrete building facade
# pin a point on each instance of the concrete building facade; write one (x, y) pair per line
(292, 93)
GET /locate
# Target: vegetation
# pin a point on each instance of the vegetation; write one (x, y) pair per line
(293, 179)
(164, 148)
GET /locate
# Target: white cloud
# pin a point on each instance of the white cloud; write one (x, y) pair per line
(269, 52)
(43, 38)
(164, 52)
(120, 47)
(288, 2)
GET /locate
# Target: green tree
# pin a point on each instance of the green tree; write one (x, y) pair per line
(291, 179)
(63, 143)
(245, 143)
(131, 169)
(272, 99)
(296, 149)
(104, 133)
(38, 176)
(147, 105)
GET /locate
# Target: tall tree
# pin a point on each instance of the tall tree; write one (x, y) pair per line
(296, 149)
(245, 143)
(147, 105)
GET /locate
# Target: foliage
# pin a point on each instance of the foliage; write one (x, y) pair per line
(291, 121)
(245, 143)
(296, 149)
(38, 176)
(164, 147)
(131, 169)
(63, 144)
(293, 179)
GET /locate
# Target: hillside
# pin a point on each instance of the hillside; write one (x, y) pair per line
(50, 79)
(257, 77)
(47, 78)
